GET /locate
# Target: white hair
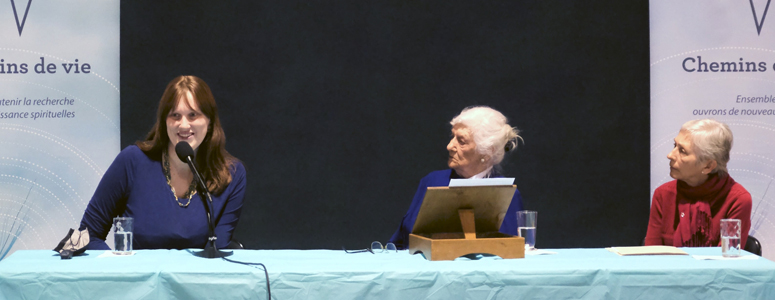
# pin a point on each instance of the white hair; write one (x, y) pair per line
(712, 140)
(492, 133)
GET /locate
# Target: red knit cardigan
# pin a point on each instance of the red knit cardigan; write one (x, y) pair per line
(665, 216)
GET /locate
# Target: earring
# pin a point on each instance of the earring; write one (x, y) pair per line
(482, 159)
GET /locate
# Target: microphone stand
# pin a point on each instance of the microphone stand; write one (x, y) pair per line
(210, 250)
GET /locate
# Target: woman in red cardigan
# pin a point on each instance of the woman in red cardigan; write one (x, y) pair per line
(687, 211)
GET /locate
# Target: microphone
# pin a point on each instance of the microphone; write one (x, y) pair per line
(184, 151)
(186, 154)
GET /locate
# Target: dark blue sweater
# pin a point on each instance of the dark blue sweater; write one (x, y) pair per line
(134, 186)
(441, 178)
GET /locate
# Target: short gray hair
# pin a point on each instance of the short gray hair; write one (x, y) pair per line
(712, 140)
(492, 133)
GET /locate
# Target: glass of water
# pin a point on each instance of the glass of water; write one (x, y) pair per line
(122, 234)
(730, 237)
(526, 223)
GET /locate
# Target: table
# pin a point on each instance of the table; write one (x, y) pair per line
(331, 274)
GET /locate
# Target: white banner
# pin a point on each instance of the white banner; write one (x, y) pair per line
(59, 114)
(716, 59)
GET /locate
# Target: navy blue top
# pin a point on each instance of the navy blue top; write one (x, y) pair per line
(134, 186)
(441, 178)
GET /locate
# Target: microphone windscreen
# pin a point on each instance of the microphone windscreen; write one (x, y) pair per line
(183, 150)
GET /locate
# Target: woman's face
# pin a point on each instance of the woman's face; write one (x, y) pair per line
(186, 124)
(462, 153)
(684, 163)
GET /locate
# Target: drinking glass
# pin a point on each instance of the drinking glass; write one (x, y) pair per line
(730, 237)
(526, 223)
(122, 235)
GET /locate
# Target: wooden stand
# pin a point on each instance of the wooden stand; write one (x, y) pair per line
(439, 236)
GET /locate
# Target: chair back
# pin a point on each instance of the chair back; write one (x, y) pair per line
(752, 245)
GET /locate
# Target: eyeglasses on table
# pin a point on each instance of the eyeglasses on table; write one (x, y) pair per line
(376, 247)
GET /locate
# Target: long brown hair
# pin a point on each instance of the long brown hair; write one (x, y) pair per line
(212, 159)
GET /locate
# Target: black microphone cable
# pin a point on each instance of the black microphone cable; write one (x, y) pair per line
(266, 273)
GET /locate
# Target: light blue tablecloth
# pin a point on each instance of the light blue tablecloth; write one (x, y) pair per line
(330, 274)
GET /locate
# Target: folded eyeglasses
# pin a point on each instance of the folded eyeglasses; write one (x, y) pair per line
(376, 247)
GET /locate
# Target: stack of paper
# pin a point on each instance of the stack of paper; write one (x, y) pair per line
(481, 182)
(647, 250)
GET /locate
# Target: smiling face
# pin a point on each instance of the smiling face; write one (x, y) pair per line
(685, 164)
(186, 123)
(462, 153)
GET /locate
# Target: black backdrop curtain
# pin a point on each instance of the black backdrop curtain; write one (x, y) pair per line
(338, 108)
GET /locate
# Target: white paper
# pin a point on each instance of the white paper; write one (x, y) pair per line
(647, 250)
(719, 257)
(481, 182)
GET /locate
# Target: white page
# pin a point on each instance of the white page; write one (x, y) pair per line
(481, 182)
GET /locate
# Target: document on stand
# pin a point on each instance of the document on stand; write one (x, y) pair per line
(481, 182)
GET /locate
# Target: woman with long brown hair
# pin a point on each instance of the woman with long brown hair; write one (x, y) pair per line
(149, 183)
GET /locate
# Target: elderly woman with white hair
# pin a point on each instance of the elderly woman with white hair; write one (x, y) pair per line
(687, 211)
(480, 138)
